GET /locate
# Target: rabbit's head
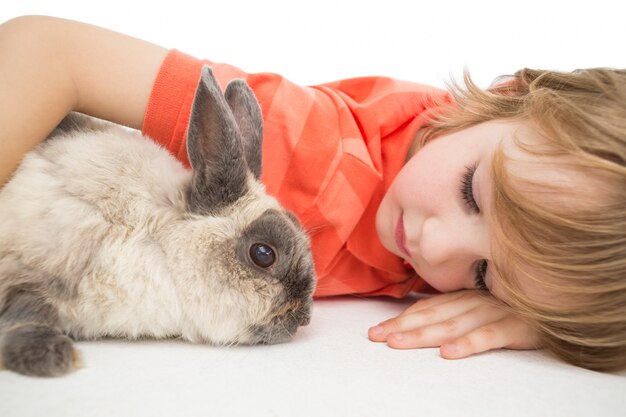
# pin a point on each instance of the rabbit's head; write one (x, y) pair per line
(243, 263)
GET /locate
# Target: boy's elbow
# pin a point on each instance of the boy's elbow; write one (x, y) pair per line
(23, 25)
(30, 31)
(22, 34)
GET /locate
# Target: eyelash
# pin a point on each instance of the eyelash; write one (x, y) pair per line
(481, 273)
(467, 194)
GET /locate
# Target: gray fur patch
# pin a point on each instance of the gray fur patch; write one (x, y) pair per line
(37, 350)
(31, 344)
(22, 306)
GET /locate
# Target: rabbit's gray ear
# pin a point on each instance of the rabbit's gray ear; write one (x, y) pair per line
(248, 117)
(215, 150)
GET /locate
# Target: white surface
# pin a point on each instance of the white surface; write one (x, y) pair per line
(331, 369)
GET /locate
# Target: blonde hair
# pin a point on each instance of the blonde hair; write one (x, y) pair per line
(575, 250)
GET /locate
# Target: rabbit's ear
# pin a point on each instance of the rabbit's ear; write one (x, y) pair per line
(214, 149)
(247, 113)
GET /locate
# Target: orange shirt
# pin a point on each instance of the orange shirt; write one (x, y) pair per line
(329, 154)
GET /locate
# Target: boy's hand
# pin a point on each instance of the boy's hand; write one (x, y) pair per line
(461, 323)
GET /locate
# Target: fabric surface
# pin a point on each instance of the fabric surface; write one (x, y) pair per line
(330, 152)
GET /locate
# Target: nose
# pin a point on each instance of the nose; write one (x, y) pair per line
(444, 242)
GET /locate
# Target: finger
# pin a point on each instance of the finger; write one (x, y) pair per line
(431, 315)
(509, 332)
(442, 332)
(434, 301)
(456, 306)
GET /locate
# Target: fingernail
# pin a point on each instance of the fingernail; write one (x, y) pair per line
(377, 330)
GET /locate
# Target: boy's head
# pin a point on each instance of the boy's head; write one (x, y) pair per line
(559, 204)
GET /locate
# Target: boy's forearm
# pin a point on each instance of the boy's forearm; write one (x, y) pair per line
(49, 67)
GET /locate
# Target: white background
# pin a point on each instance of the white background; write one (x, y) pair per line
(331, 369)
(323, 40)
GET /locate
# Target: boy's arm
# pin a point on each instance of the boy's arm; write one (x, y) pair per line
(462, 323)
(50, 66)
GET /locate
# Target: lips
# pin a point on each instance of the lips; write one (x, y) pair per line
(400, 237)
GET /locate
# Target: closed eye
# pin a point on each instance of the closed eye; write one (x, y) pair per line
(481, 273)
(467, 189)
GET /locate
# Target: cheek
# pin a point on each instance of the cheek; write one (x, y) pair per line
(395, 198)
(416, 184)
(448, 279)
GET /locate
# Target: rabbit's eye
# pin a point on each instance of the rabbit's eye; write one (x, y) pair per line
(262, 255)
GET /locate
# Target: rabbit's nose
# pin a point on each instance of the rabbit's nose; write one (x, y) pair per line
(305, 319)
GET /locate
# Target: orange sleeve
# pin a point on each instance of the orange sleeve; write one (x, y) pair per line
(169, 107)
(329, 153)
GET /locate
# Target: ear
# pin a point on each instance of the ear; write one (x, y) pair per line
(248, 117)
(215, 150)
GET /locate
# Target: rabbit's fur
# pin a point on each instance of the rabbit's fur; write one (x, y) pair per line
(105, 234)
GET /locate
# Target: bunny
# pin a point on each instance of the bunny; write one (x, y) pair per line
(103, 233)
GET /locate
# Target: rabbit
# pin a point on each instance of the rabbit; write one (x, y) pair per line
(103, 233)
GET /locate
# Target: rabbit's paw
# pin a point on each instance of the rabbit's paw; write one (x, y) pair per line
(38, 350)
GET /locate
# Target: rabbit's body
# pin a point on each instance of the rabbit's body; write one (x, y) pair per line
(76, 200)
(102, 235)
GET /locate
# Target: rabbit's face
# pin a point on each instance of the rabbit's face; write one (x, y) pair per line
(252, 281)
(275, 249)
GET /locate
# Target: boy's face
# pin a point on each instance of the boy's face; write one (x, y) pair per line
(428, 217)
